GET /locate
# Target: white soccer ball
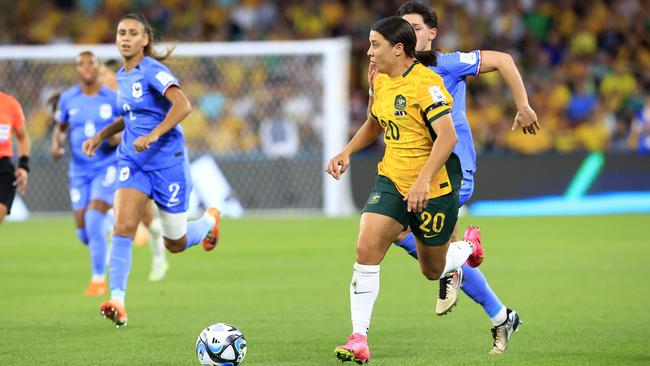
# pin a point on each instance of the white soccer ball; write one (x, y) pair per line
(221, 344)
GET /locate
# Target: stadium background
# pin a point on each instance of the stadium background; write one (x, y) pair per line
(579, 282)
(587, 74)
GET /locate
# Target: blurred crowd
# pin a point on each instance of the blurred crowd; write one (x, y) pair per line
(586, 64)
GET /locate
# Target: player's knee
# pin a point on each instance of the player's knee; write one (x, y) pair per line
(125, 228)
(432, 273)
(174, 246)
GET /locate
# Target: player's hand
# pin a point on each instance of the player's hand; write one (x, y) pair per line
(526, 118)
(418, 196)
(22, 177)
(142, 143)
(90, 146)
(57, 152)
(372, 73)
(338, 165)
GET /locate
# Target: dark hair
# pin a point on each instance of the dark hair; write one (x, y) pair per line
(430, 18)
(53, 101)
(397, 30)
(86, 53)
(149, 48)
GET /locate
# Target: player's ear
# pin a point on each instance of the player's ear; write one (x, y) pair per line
(398, 49)
(433, 33)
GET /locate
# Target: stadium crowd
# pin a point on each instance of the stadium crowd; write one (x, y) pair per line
(586, 65)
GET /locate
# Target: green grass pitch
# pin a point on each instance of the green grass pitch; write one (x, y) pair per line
(580, 285)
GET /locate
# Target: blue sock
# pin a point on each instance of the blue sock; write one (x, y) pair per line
(408, 244)
(119, 265)
(476, 287)
(81, 234)
(197, 230)
(95, 224)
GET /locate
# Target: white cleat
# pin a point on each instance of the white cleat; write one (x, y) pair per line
(448, 293)
(501, 334)
(158, 270)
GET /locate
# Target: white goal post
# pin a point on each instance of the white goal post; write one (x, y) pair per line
(333, 76)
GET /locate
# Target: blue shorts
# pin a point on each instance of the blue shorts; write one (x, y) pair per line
(98, 184)
(466, 188)
(169, 187)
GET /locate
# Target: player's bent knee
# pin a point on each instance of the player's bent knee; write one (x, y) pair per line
(175, 246)
(432, 274)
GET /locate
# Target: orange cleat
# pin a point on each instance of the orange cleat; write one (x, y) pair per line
(96, 288)
(114, 311)
(214, 234)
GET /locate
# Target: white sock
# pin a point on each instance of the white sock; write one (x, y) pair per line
(156, 244)
(98, 278)
(457, 254)
(364, 289)
(118, 295)
(500, 317)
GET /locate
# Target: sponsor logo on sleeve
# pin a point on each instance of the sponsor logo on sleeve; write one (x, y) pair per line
(467, 58)
(164, 78)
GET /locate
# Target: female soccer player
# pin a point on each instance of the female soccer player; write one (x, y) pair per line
(417, 180)
(454, 68)
(81, 111)
(149, 228)
(12, 119)
(152, 160)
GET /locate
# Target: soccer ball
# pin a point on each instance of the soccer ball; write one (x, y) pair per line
(221, 344)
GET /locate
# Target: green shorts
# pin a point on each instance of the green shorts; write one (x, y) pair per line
(433, 226)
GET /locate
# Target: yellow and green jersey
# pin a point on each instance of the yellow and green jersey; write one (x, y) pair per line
(406, 107)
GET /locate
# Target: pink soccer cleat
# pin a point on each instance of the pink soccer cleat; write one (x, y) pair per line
(355, 350)
(473, 235)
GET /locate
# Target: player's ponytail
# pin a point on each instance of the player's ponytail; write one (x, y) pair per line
(149, 49)
(53, 101)
(427, 58)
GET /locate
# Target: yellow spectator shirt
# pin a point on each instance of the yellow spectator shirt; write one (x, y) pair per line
(406, 107)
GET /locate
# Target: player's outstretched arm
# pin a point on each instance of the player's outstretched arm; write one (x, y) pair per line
(90, 146)
(366, 135)
(180, 108)
(503, 62)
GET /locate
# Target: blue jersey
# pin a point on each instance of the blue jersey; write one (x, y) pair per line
(86, 115)
(142, 103)
(454, 68)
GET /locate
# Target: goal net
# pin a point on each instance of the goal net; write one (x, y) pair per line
(266, 116)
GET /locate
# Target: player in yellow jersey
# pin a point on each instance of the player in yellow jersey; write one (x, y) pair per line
(417, 180)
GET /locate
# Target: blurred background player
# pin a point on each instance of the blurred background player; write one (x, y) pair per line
(152, 160)
(149, 229)
(454, 69)
(81, 111)
(417, 180)
(12, 121)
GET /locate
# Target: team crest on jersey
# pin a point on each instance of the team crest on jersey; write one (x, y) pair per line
(400, 102)
(105, 111)
(136, 91)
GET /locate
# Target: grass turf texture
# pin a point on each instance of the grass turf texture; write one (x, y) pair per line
(579, 284)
